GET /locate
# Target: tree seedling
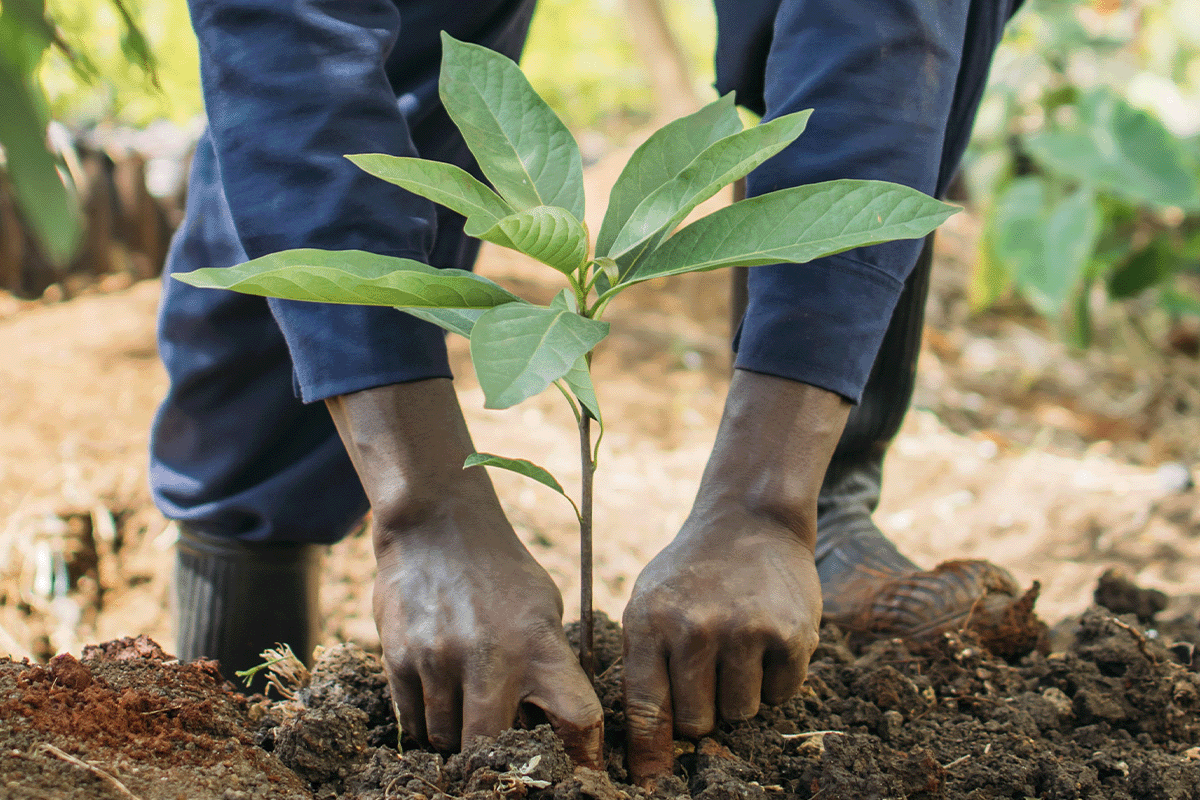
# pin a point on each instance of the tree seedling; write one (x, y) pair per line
(536, 207)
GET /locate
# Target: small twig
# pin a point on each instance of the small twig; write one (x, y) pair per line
(161, 711)
(99, 773)
(388, 791)
(956, 761)
(611, 667)
(808, 734)
(1142, 643)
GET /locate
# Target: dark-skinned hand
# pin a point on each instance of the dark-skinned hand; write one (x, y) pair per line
(471, 625)
(726, 616)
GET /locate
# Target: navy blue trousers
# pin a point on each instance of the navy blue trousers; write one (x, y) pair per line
(239, 447)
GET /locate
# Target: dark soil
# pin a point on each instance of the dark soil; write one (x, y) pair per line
(1114, 713)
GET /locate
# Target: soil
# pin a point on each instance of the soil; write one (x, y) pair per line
(1114, 714)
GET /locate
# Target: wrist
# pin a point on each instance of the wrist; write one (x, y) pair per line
(773, 446)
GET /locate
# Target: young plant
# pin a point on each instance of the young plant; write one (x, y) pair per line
(536, 207)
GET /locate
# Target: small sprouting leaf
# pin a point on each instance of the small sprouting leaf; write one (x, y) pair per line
(523, 148)
(518, 465)
(549, 234)
(443, 183)
(520, 349)
(353, 276)
(579, 380)
(797, 225)
(663, 156)
(565, 300)
(720, 164)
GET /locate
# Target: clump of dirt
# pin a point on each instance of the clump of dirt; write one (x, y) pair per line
(129, 720)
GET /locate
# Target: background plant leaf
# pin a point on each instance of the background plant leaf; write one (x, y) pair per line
(1123, 150)
(41, 188)
(522, 146)
(354, 276)
(1046, 248)
(549, 234)
(446, 184)
(797, 225)
(1145, 268)
(661, 157)
(720, 164)
(518, 350)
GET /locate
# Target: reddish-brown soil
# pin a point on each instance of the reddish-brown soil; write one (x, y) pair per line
(129, 721)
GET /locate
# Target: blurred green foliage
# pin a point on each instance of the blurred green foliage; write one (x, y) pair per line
(1086, 159)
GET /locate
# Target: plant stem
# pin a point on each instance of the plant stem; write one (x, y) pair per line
(588, 467)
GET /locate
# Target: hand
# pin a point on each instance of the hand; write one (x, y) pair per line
(470, 631)
(726, 616)
(471, 625)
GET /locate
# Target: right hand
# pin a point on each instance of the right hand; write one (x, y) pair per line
(471, 625)
(471, 628)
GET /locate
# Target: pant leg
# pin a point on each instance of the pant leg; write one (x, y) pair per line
(233, 451)
(290, 89)
(894, 88)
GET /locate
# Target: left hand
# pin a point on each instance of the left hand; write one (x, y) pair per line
(723, 619)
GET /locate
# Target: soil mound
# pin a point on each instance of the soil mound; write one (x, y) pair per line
(1113, 713)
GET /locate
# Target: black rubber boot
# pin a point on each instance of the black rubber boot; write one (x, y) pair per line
(235, 599)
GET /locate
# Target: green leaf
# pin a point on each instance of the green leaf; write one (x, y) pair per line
(662, 157)
(989, 278)
(1122, 150)
(548, 233)
(1080, 332)
(1181, 303)
(579, 378)
(353, 276)
(522, 146)
(518, 349)
(1070, 236)
(719, 165)
(520, 466)
(1147, 267)
(797, 225)
(38, 184)
(455, 320)
(446, 184)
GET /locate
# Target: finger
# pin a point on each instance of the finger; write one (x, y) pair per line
(648, 716)
(739, 685)
(407, 701)
(784, 670)
(565, 695)
(489, 704)
(443, 709)
(693, 671)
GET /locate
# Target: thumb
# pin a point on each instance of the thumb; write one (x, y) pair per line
(572, 709)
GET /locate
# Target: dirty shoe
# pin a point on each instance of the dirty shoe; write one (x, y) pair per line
(870, 587)
(235, 599)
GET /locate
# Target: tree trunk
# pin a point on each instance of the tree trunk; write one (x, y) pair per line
(665, 60)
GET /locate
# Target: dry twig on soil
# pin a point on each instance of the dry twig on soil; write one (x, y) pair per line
(92, 768)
